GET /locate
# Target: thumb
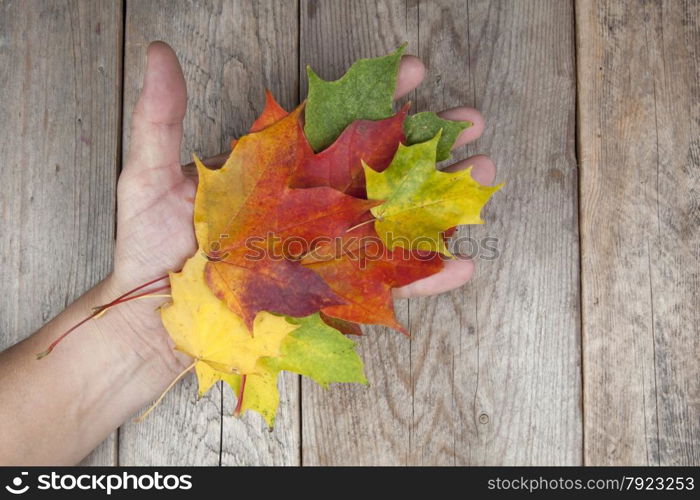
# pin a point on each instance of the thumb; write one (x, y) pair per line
(156, 123)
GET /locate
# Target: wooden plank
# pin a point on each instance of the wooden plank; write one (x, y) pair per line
(230, 51)
(491, 375)
(60, 82)
(496, 374)
(639, 104)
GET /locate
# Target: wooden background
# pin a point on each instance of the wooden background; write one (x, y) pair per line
(579, 344)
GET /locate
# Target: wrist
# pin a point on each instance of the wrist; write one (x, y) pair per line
(96, 378)
(134, 343)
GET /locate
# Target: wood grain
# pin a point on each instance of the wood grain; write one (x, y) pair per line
(496, 373)
(59, 98)
(639, 101)
(230, 51)
(491, 374)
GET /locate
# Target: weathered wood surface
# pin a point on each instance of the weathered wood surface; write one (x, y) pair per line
(491, 375)
(60, 99)
(514, 333)
(493, 372)
(639, 143)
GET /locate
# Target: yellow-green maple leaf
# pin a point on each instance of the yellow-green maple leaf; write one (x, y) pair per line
(202, 326)
(313, 349)
(420, 202)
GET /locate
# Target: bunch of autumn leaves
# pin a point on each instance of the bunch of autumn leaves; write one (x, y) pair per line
(336, 176)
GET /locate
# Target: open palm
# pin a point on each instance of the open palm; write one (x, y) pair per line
(156, 199)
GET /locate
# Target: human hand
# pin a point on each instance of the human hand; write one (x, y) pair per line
(155, 198)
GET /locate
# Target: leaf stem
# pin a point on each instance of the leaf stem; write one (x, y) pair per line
(360, 224)
(101, 309)
(167, 389)
(59, 339)
(145, 295)
(239, 404)
(156, 280)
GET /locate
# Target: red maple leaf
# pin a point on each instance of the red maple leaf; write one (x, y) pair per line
(362, 271)
(340, 165)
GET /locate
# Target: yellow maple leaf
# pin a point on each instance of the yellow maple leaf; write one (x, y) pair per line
(203, 327)
(261, 394)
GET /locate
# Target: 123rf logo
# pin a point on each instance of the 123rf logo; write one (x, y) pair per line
(107, 483)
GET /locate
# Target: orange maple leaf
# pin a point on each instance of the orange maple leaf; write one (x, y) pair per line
(246, 212)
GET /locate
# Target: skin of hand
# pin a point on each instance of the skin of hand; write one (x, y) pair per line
(56, 410)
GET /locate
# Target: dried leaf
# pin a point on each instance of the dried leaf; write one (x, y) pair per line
(313, 349)
(364, 273)
(340, 165)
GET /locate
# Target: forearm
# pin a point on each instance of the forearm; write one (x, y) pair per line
(57, 409)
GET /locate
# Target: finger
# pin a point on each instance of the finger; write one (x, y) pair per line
(455, 274)
(411, 73)
(463, 114)
(156, 123)
(483, 169)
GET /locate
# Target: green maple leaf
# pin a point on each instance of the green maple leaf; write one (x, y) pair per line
(366, 92)
(422, 127)
(319, 352)
(420, 202)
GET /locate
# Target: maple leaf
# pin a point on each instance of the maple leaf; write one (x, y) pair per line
(422, 127)
(319, 352)
(272, 113)
(203, 327)
(420, 202)
(249, 200)
(343, 326)
(340, 165)
(260, 395)
(365, 92)
(312, 349)
(364, 273)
